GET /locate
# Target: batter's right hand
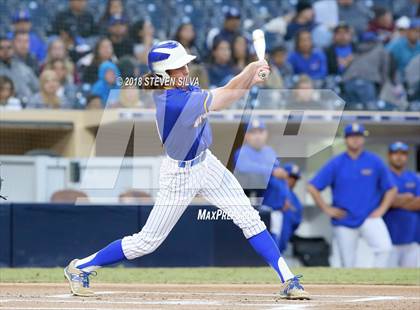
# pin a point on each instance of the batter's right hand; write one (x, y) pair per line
(336, 213)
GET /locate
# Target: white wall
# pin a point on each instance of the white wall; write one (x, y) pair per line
(35, 179)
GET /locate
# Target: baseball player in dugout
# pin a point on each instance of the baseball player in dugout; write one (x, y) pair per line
(292, 217)
(189, 169)
(404, 210)
(362, 192)
(257, 167)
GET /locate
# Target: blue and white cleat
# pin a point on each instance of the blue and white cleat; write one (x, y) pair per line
(292, 289)
(78, 280)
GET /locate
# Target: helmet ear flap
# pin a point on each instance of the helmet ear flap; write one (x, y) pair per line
(163, 76)
(160, 79)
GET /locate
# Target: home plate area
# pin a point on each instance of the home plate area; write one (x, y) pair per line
(182, 296)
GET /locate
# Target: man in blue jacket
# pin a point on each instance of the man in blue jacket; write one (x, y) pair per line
(362, 192)
(257, 163)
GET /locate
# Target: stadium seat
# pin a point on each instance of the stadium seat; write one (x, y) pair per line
(134, 196)
(69, 196)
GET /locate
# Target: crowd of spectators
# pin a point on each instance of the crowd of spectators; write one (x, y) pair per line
(370, 56)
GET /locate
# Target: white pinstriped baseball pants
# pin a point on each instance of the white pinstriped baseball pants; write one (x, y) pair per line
(177, 187)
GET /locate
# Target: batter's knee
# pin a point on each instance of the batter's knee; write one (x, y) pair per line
(249, 222)
(141, 244)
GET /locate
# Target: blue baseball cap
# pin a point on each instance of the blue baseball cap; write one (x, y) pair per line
(21, 15)
(292, 170)
(255, 124)
(355, 129)
(232, 12)
(398, 146)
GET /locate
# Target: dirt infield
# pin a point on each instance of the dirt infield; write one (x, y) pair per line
(223, 297)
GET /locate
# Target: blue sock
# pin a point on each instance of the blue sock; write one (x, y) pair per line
(109, 255)
(264, 245)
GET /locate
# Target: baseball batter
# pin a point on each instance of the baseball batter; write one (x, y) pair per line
(362, 190)
(189, 169)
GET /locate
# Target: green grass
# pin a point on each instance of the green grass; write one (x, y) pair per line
(260, 275)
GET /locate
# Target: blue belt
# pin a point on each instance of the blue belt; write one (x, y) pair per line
(192, 162)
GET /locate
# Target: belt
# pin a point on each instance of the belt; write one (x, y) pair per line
(192, 162)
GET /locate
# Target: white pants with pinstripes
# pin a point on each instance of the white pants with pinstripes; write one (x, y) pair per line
(177, 187)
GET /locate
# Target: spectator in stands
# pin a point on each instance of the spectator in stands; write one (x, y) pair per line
(366, 73)
(405, 48)
(127, 67)
(304, 82)
(48, 96)
(354, 14)
(76, 18)
(276, 28)
(93, 102)
(57, 50)
(401, 24)
(7, 94)
(22, 52)
(185, 34)
(231, 27)
(142, 33)
(303, 20)
(67, 88)
(112, 8)
(240, 52)
(107, 81)
(23, 77)
(307, 60)
(304, 96)
(409, 8)
(75, 45)
(103, 51)
(129, 94)
(221, 69)
(412, 82)
(21, 20)
(382, 24)
(280, 65)
(340, 54)
(118, 34)
(129, 98)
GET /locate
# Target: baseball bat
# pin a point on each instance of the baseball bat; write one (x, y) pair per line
(259, 46)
